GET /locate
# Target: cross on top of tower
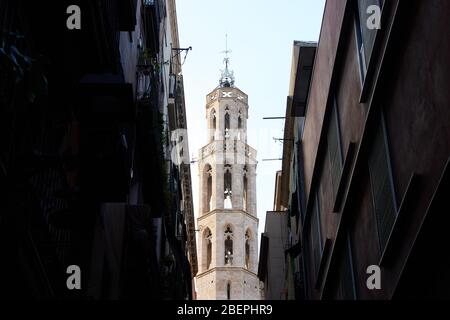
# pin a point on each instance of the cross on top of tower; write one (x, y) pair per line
(227, 76)
(226, 49)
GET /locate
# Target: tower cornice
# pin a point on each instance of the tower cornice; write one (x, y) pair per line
(226, 93)
(216, 146)
(226, 211)
(215, 269)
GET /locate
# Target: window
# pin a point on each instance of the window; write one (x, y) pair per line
(300, 180)
(381, 180)
(228, 235)
(227, 125)
(365, 37)
(209, 254)
(334, 148)
(347, 286)
(247, 249)
(207, 248)
(360, 47)
(304, 267)
(213, 119)
(227, 187)
(209, 193)
(207, 176)
(228, 290)
(212, 124)
(245, 191)
(240, 134)
(316, 240)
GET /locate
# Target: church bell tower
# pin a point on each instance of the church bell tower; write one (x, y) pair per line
(227, 219)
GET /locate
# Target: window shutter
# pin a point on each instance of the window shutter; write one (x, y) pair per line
(334, 151)
(368, 36)
(316, 236)
(347, 283)
(382, 189)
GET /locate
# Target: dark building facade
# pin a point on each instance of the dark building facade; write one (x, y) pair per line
(371, 149)
(90, 172)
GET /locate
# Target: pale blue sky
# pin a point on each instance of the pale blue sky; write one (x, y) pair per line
(260, 35)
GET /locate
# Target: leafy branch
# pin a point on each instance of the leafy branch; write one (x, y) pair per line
(23, 68)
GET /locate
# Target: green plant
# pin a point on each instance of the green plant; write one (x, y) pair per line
(151, 58)
(24, 69)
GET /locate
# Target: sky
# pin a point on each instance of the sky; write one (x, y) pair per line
(260, 35)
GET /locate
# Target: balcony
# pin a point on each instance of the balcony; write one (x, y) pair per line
(106, 99)
(147, 80)
(106, 113)
(151, 24)
(127, 14)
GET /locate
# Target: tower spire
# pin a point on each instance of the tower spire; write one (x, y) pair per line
(227, 76)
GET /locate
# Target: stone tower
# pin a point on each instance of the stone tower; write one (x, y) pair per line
(227, 222)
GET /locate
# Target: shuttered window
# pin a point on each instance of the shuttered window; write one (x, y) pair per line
(301, 181)
(365, 36)
(316, 234)
(382, 184)
(306, 258)
(347, 281)
(334, 149)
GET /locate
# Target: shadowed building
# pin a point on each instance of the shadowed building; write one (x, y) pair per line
(370, 148)
(272, 255)
(90, 175)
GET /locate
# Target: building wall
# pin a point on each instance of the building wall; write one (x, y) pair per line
(321, 79)
(405, 96)
(129, 45)
(117, 170)
(276, 231)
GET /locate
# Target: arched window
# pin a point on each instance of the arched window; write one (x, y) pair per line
(207, 176)
(228, 290)
(209, 193)
(207, 248)
(227, 188)
(228, 235)
(213, 119)
(239, 126)
(247, 249)
(245, 190)
(227, 124)
(213, 124)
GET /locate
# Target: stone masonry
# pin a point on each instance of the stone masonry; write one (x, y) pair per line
(227, 222)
